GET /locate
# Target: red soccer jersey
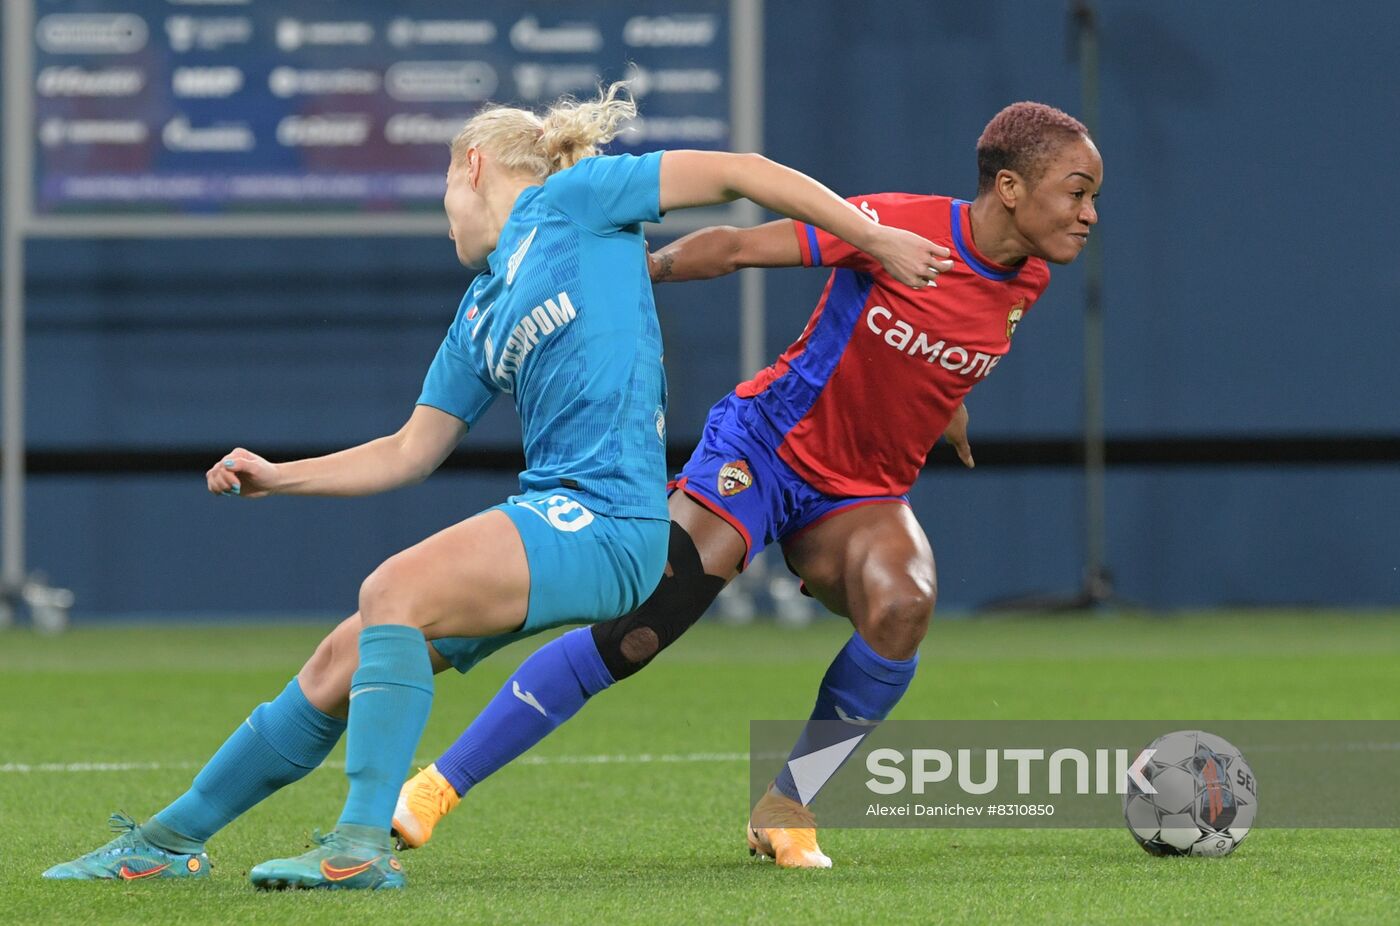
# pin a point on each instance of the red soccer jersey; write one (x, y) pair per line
(862, 396)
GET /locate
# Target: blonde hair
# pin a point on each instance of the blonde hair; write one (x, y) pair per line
(568, 132)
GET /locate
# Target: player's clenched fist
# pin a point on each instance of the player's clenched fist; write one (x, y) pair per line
(910, 259)
(242, 473)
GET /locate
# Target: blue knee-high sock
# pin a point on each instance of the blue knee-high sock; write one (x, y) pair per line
(545, 691)
(860, 689)
(280, 742)
(390, 696)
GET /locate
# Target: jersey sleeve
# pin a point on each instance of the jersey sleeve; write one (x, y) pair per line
(453, 385)
(823, 249)
(608, 192)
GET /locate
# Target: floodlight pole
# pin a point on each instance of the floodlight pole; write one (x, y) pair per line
(12, 329)
(746, 105)
(1096, 589)
(740, 599)
(48, 607)
(1098, 583)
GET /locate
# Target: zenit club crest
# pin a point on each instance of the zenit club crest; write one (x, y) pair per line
(1013, 318)
(734, 478)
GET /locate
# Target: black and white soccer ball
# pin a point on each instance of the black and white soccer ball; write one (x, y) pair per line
(1205, 800)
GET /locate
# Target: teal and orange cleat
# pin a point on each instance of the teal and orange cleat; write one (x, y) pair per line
(130, 857)
(337, 862)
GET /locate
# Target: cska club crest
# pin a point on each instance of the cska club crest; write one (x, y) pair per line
(734, 478)
(1013, 318)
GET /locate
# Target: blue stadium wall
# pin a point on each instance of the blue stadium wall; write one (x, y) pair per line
(1251, 272)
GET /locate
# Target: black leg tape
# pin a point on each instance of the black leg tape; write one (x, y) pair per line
(629, 642)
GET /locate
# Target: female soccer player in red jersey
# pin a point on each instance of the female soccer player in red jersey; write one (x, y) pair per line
(817, 453)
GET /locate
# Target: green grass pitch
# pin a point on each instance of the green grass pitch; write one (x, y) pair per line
(558, 840)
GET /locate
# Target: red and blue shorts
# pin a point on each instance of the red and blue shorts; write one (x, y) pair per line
(737, 474)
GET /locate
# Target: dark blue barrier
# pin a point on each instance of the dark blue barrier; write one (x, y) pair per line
(1249, 255)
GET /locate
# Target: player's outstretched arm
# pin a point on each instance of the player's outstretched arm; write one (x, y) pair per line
(706, 178)
(400, 459)
(721, 249)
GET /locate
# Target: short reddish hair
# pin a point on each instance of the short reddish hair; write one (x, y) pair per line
(1021, 138)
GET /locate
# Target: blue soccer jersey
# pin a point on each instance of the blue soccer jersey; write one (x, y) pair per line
(563, 320)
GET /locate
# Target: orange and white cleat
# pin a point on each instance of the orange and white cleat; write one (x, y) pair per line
(423, 801)
(785, 831)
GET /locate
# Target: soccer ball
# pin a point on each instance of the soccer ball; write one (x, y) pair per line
(1205, 798)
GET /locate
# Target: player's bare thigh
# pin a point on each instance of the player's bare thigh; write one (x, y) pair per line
(325, 678)
(469, 580)
(874, 565)
(721, 547)
(445, 575)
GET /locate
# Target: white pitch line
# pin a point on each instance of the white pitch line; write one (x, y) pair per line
(28, 768)
(645, 758)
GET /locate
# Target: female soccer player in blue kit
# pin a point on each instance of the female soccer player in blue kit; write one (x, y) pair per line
(562, 319)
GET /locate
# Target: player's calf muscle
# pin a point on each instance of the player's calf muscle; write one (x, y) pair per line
(325, 678)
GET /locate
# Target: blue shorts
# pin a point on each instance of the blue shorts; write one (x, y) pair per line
(737, 474)
(584, 567)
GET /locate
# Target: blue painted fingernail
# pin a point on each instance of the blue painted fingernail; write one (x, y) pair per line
(229, 464)
(235, 489)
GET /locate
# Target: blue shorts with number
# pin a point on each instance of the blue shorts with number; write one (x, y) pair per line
(737, 474)
(584, 568)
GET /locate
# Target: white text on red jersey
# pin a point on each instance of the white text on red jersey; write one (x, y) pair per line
(903, 337)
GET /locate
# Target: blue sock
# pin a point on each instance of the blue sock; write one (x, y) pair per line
(863, 686)
(390, 696)
(279, 743)
(545, 691)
